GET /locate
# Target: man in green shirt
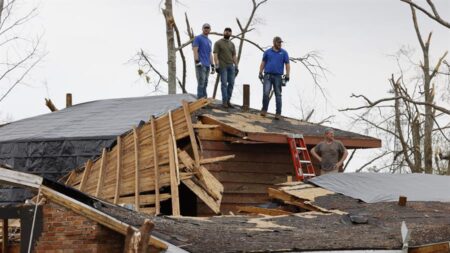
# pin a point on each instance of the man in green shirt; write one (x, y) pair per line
(330, 153)
(226, 62)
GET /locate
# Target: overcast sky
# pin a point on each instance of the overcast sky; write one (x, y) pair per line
(90, 45)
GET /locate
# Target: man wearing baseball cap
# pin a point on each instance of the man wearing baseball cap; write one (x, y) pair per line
(203, 60)
(273, 62)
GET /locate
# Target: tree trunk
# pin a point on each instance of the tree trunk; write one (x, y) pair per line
(429, 114)
(171, 51)
(415, 129)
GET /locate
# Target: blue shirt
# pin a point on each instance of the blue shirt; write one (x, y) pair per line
(274, 61)
(204, 49)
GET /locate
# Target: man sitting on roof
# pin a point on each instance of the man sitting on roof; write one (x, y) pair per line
(330, 153)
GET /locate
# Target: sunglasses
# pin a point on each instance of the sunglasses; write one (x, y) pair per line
(206, 27)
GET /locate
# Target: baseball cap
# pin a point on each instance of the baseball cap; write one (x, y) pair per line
(206, 25)
(277, 39)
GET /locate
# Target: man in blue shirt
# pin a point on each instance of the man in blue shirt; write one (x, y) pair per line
(203, 60)
(273, 62)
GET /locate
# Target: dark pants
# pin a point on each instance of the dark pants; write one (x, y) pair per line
(227, 76)
(269, 81)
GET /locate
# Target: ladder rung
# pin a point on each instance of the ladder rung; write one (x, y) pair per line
(301, 148)
(309, 175)
(305, 161)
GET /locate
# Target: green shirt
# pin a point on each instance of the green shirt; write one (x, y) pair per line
(225, 51)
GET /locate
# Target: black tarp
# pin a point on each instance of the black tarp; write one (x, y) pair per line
(52, 144)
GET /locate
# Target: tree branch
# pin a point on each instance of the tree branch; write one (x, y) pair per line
(435, 16)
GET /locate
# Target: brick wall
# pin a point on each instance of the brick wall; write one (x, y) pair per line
(66, 231)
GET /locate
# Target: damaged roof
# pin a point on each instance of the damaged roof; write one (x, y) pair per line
(105, 119)
(101, 119)
(250, 125)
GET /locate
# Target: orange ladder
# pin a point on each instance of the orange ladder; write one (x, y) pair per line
(300, 157)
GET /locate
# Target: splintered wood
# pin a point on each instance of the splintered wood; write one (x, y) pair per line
(299, 194)
(145, 161)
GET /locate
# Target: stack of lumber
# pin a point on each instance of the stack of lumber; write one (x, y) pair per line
(146, 159)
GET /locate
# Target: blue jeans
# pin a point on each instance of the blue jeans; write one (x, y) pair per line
(269, 81)
(202, 73)
(227, 77)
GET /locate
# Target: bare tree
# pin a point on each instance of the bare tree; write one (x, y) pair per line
(18, 55)
(311, 60)
(411, 117)
(434, 14)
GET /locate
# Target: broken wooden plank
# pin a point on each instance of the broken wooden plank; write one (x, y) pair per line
(289, 199)
(156, 166)
(216, 159)
(174, 143)
(136, 168)
(119, 168)
(187, 116)
(173, 179)
(260, 210)
(201, 126)
(203, 195)
(86, 172)
(101, 172)
(206, 179)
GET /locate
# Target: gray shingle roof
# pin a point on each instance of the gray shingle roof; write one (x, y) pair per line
(100, 119)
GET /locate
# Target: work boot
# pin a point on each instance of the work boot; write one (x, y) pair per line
(225, 105)
(263, 113)
(230, 105)
(277, 116)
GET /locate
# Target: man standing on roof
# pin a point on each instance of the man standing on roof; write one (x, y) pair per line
(330, 153)
(273, 62)
(203, 60)
(226, 62)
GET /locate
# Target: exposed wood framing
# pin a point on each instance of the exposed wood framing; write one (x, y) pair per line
(136, 169)
(187, 115)
(86, 172)
(173, 179)
(174, 143)
(118, 169)
(156, 166)
(101, 172)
